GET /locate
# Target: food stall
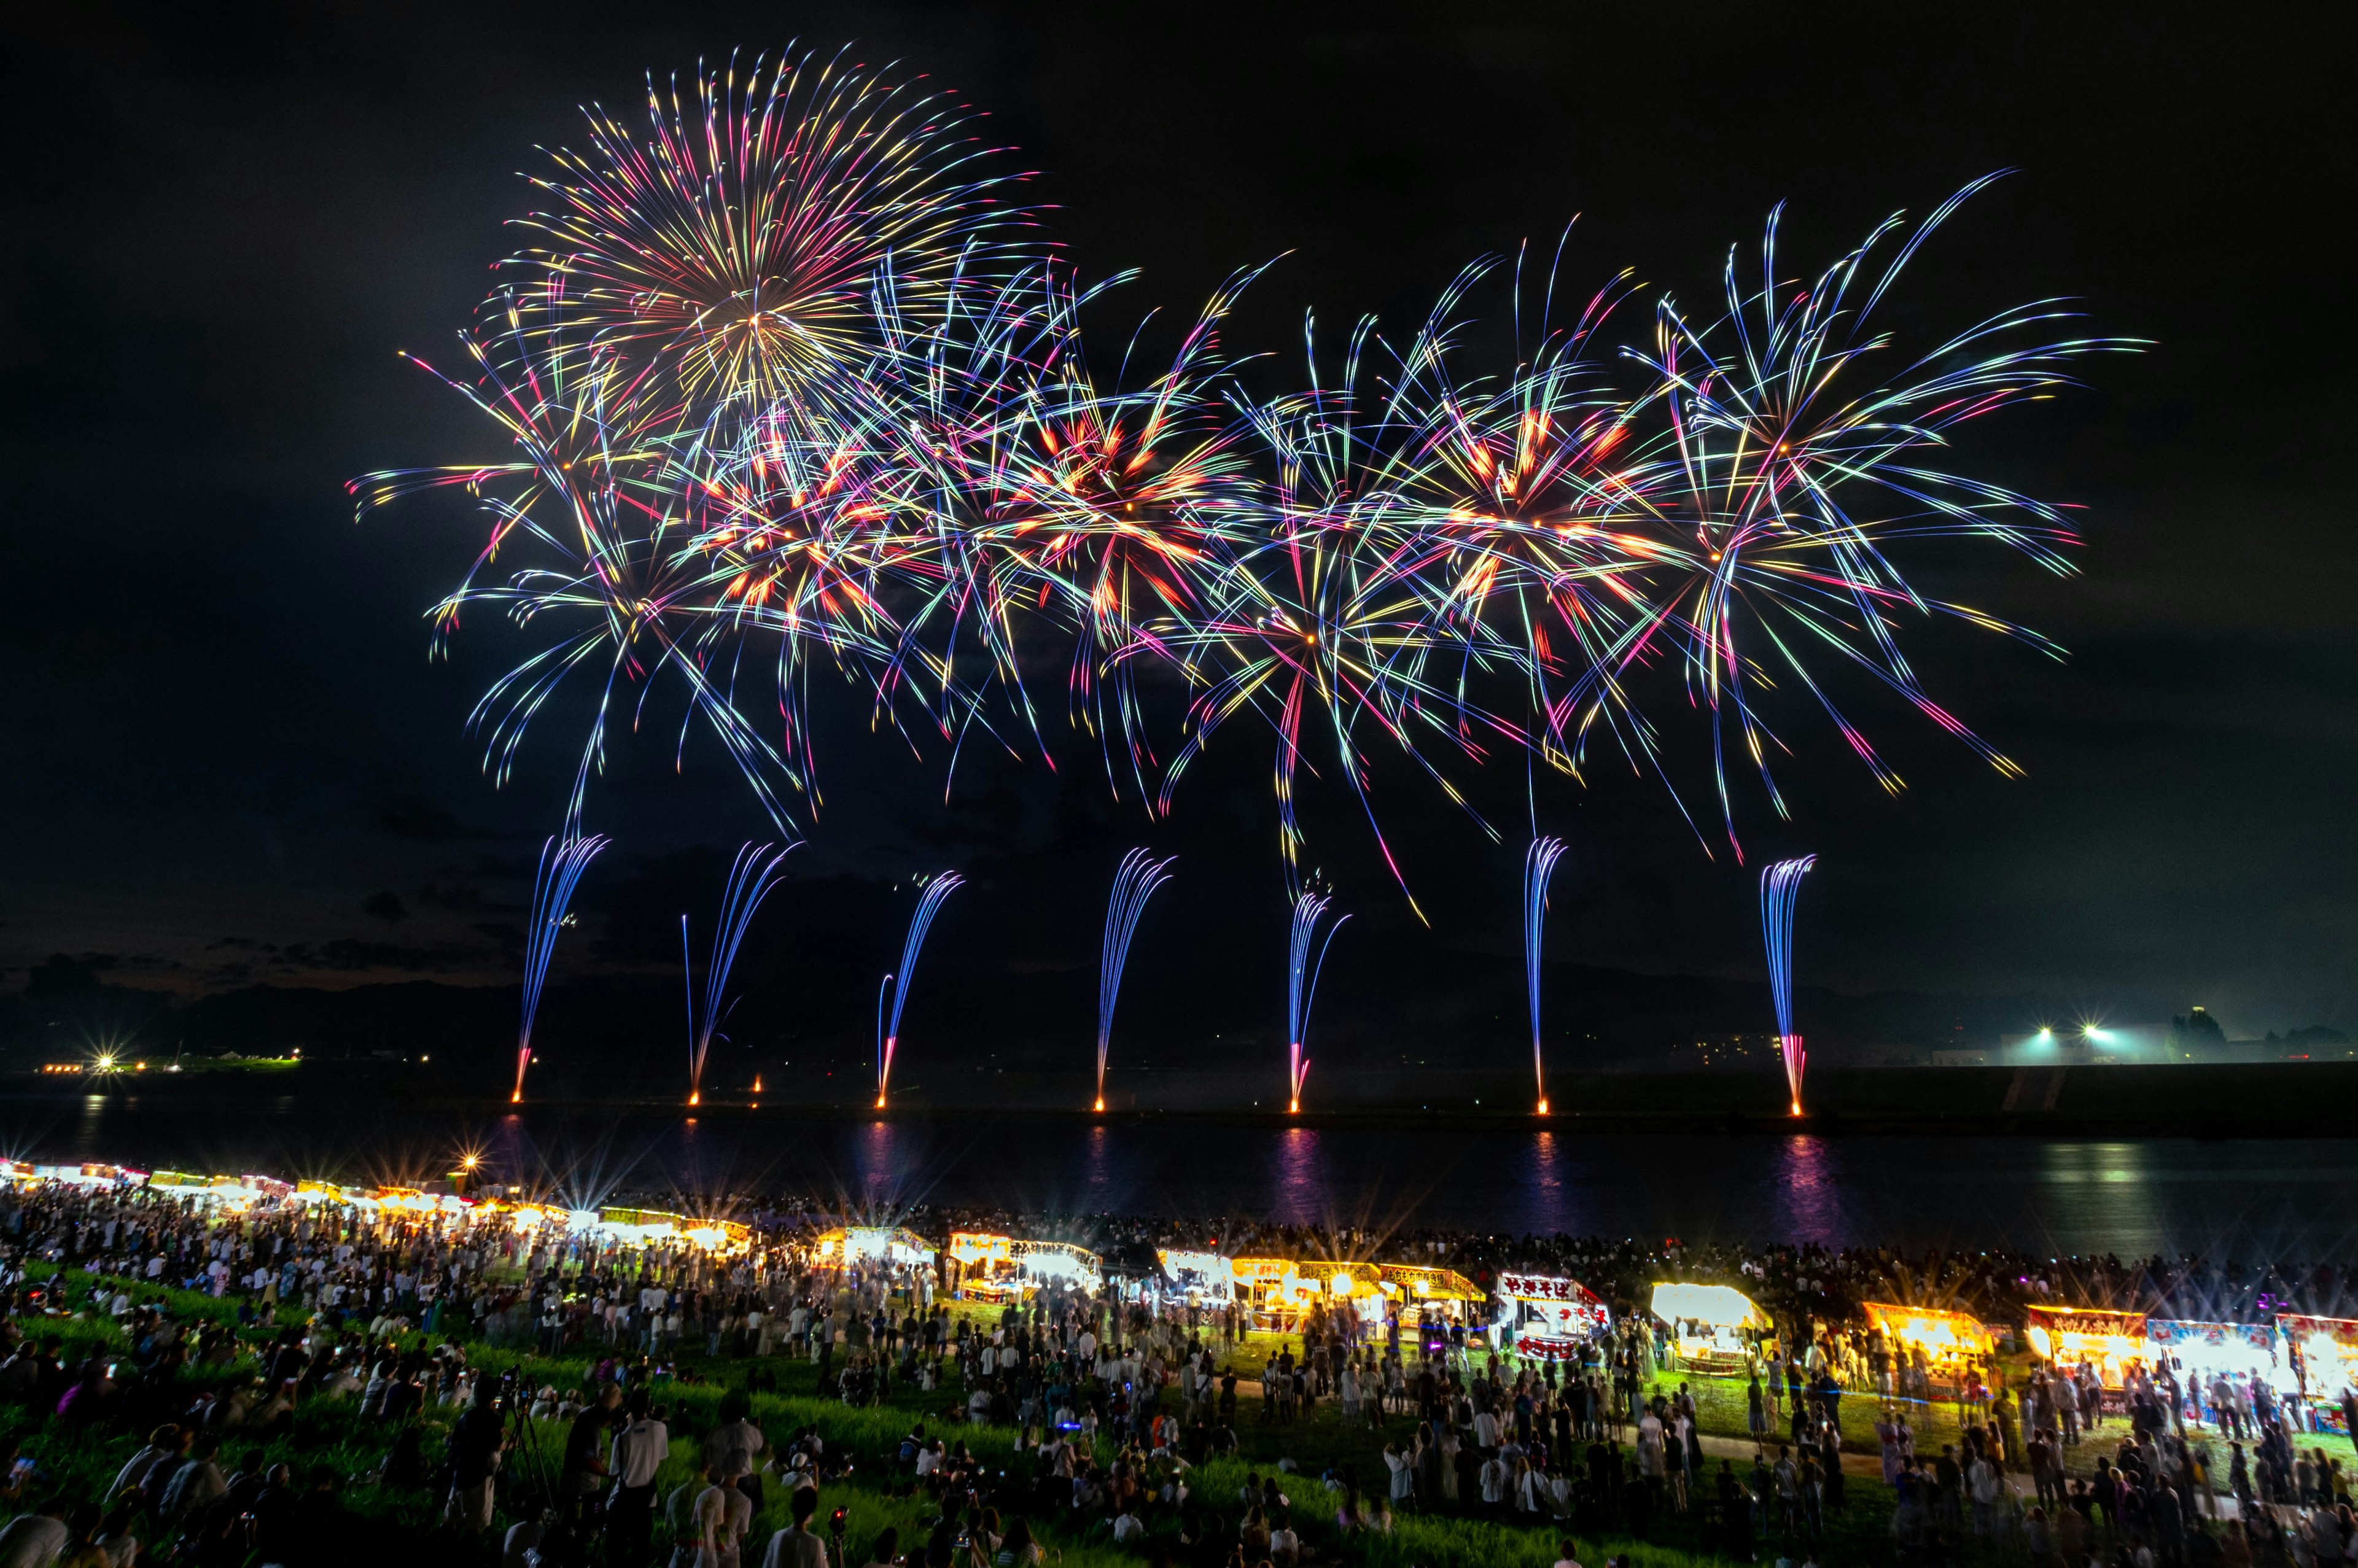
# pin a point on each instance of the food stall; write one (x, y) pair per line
(994, 1268)
(1541, 1315)
(1951, 1342)
(2324, 1356)
(1043, 1263)
(2200, 1350)
(1199, 1279)
(1279, 1292)
(1275, 1291)
(2111, 1341)
(1707, 1324)
(986, 1265)
(850, 1244)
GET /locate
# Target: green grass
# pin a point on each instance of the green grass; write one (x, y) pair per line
(330, 1431)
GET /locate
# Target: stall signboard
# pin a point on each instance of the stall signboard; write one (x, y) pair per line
(981, 1247)
(2111, 1340)
(1543, 1315)
(1422, 1285)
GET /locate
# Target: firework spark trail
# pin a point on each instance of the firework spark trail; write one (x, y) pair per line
(1134, 884)
(1781, 888)
(1538, 865)
(561, 865)
(1302, 970)
(754, 872)
(887, 1035)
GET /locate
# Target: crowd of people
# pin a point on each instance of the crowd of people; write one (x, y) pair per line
(1108, 1403)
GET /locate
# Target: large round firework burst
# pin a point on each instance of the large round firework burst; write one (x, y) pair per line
(731, 247)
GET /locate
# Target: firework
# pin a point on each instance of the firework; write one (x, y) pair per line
(1780, 887)
(562, 861)
(1134, 884)
(1302, 968)
(896, 987)
(751, 877)
(788, 387)
(1781, 481)
(730, 249)
(1538, 865)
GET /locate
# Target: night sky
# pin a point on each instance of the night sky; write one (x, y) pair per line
(227, 760)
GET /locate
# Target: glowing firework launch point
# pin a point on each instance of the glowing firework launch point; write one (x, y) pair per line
(1302, 988)
(751, 877)
(929, 903)
(561, 865)
(1134, 884)
(1538, 865)
(1780, 887)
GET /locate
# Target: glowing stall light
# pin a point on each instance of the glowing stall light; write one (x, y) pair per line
(1134, 884)
(1707, 1322)
(561, 865)
(753, 875)
(1302, 987)
(1943, 1336)
(888, 1036)
(848, 1244)
(1780, 887)
(1061, 1261)
(1538, 865)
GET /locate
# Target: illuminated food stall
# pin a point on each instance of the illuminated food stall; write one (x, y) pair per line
(89, 1176)
(1042, 1263)
(2323, 1352)
(1273, 1289)
(1202, 1279)
(1542, 1315)
(994, 1268)
(2110, 1341)
(2240, 1350)
(850, 1244)
(1948, 1340)
(1280, 1290)
(986, 1261)
(1707, 1323)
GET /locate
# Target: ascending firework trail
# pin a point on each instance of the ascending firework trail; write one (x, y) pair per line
(1538, 865)
(929, 903)
(1302, 987)
(561, 865)
(1140, 875)
(1780, 886)
(755, 872)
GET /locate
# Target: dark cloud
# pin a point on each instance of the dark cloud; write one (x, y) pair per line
(385, 905)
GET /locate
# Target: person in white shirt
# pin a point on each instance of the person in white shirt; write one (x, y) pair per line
(35, 1540)
(736, 1508)
(1494, 1482)
(1128, 1526)
(795, 1546)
